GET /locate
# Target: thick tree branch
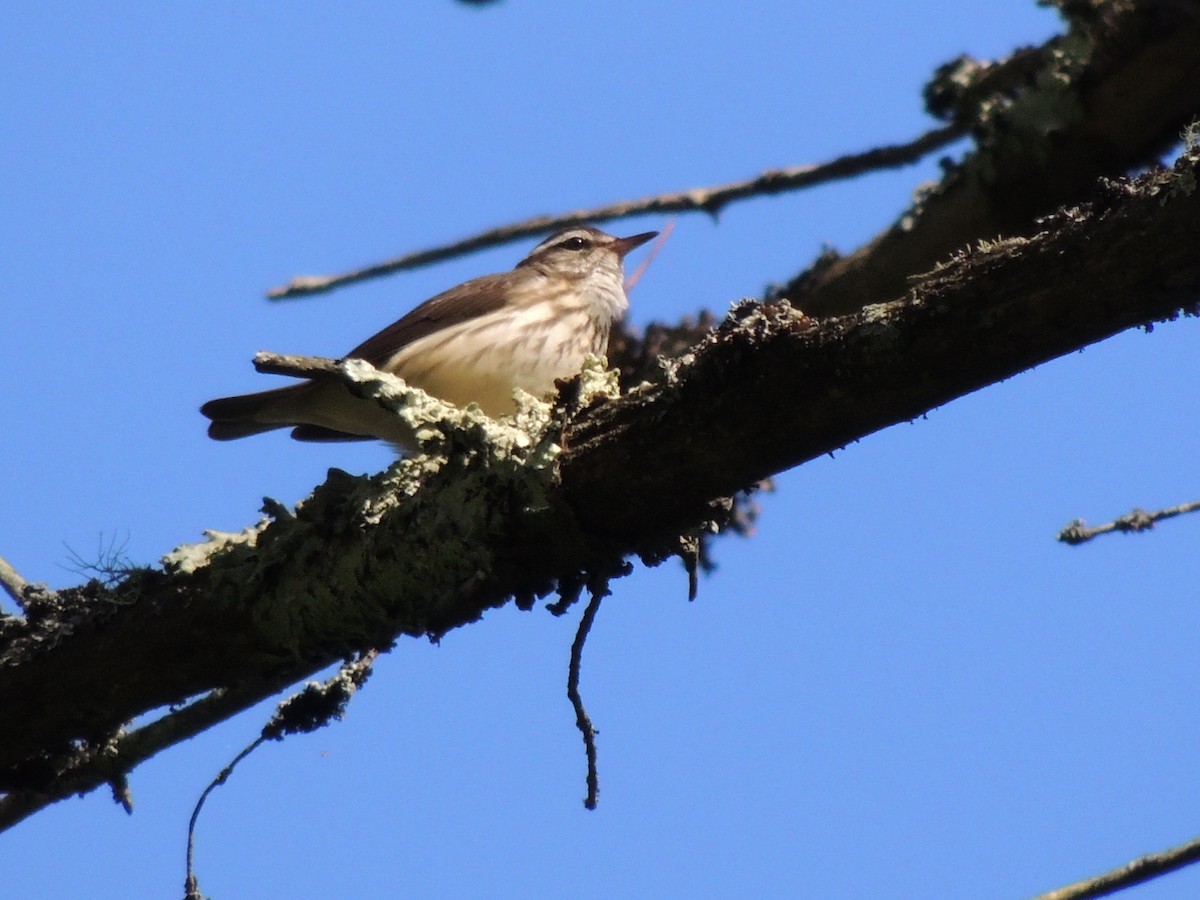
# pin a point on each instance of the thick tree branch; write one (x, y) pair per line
(1107, 98)
(1103, 99)
(435, 541)
(772, 387)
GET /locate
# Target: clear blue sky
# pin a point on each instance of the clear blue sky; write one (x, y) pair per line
(902, 687)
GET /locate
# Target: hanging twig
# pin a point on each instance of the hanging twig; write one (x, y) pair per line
(582, 720)
(191, 885)
(314, 707)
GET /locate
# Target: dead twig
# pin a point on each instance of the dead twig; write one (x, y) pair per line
(582, 720)
(1141, 869)
(1078, 531)
(312, 708)
(710, 200)
(297, 366)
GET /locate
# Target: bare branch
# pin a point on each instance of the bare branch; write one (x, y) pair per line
(1141, 869)
(704, 199)
(191, 885)
(1138, 520)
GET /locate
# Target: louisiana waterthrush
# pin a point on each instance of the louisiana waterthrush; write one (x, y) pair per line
(476, 342)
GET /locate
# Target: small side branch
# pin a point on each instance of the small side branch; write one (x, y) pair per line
(137, 746)
(314, 707)
(582, 720)
(1141, 869)
(297, 366)
(191, 885)
(1078, 531)
(710, 200)
(12, 582)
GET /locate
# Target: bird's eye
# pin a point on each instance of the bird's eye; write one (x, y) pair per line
(575, 243)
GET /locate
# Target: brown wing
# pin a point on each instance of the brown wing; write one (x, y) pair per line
(469, 300)
(241, 416)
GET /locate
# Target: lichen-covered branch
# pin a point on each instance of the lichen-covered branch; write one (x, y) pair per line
(497, 512)
(772, 387)
(1103, 99)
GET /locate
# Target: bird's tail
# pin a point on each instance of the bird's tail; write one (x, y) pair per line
(246, 414)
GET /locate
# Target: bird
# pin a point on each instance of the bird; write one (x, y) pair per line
(474, 343)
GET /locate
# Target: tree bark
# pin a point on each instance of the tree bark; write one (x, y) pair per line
(428, 546)
(1105, 98)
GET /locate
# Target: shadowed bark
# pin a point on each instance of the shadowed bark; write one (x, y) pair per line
(429, 545)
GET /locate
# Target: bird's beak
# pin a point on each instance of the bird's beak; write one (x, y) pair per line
(624, 245)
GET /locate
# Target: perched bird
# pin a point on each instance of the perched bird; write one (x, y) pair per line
(473, 343)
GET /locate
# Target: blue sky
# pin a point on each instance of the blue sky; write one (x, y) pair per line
(901, 687)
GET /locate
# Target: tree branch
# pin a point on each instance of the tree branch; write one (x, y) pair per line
(1139, 870)
(435, 541)
(297, 366)
(651, 460)
(582, 720)
(1078, 531)
(1108, 97)
(93, 767)
(710, 200)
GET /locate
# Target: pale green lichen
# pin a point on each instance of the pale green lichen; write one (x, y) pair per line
(880, 313)
(597, 381)
(1000, 244)
(187, 558)
(1183, 176)
(1179, 181)
(1191, 135)
(497, 463)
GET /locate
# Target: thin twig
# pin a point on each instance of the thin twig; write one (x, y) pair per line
(191, 886)
(705, 199)
(582, 721)
(1141, 869)
(12, 582)
(313, 707)
(1078, 531)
